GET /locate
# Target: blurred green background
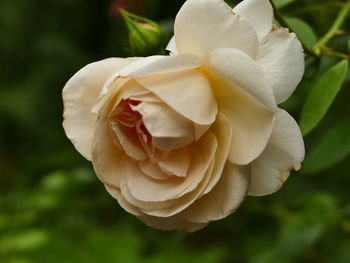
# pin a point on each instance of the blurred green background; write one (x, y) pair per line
(54, 209)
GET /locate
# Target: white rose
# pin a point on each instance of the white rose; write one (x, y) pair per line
(180, 140)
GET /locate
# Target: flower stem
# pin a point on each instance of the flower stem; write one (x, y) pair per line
(335, 27)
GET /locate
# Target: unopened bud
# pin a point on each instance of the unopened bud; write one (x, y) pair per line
(145, 36)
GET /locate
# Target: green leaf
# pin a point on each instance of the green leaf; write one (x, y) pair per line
(304, 32)
(332, 148)
(321, 96)
(282, 3)
(349, 45)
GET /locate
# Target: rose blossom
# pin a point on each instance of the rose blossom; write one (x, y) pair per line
(180, 140)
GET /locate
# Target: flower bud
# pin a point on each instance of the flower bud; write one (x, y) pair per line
(145, 36)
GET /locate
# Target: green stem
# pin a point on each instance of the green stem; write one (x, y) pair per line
(332, 53)
(335, 27)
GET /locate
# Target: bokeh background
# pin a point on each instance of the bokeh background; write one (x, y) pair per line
(54, 209)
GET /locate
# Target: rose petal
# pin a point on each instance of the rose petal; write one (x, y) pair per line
(284, 153)
(106, 156)
(223, 132)
(169, 129)
(166, 208)
(281, 57)
(188, 92)
(171, 47)
(171, 223)
(133, 90)
(142, 206)
(243, 72)
(154, 65)
(152, 169)
(224, 199)
(79, 95)
(144, 188)
(129, 141)
(160, 64)
(251, 121)
(202, 26)
(177, 162)
(259, 13)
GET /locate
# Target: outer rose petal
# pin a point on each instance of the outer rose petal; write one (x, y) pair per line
(243, 72)
(224, 199)
(161, 64)
(259, 13)
(154, 65)
(202, 26)
(79, 95)
(284, 152)
(281, 57)
(106, 156)
(251, 120)
(171, 47)
(171, 223)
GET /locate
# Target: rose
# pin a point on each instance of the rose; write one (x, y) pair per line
(180, 140)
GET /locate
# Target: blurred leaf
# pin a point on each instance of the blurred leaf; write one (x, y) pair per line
(304, 32)
(349, 45)
(330, 149)
(282, 3)
(300, 229)
(321, 96)
(24, 241)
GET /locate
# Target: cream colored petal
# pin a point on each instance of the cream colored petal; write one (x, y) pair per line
(223, 132)
(199, 130)
(202, 26)
(118, 85)
(168, 128)
(152, 169)
(259, 13)
(133, 90)
(155, 208)
(142, 206)
(106, 156)
(251, 121)
(129, 141)
(171, 223)
(243, 72)
(160, 64)
(154, 65)
(284, 153)
(281, 57)
(79, 95)
(173, 207)
(177, 162)
(188, 92)
(224, 199)
(171, 47)
(146, 189)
